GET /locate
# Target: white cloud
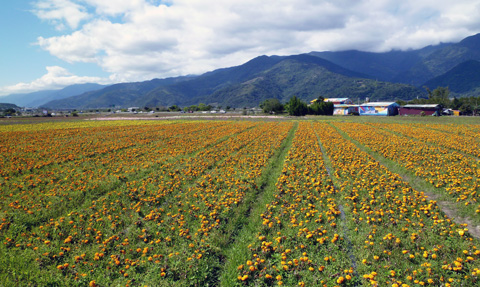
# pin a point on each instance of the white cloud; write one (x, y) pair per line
(60, 12)
(115, 7)
(55, 78)
(140, 39)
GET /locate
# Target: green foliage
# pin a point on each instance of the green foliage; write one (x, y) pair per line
(203, 107)
(295, 107)
(440, 93)
(320, 107)
(191, 108)
(455, 104)
(466, 109)
(9, 112)
(272, 106)
(441, 96)
(174, 108)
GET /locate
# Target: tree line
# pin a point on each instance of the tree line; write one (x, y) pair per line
(441, 96)
(296, 107)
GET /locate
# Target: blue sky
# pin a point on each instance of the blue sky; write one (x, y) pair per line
(22, 60)
(50, 44)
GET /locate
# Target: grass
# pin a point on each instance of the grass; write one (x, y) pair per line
(250, 219)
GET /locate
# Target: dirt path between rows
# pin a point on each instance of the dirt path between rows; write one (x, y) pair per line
(450, 210)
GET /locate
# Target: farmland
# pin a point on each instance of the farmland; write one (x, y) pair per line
(327, 201)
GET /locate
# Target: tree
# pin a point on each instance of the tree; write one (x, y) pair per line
(440, 96)
(203, 107)
(320, 107)
(466, 109)
(174, 108)
(9, 112)
(295, 107)
(193, 108)
(441, 93)
(270, 106)
(455, 105)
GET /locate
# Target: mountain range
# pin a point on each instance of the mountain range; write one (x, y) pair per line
(388, 76)
(39, 98)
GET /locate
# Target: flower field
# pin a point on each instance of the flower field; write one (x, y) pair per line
(238, 203)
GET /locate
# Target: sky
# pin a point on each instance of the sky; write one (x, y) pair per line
(50, 44)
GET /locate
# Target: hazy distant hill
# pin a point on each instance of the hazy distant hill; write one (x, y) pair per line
(39, 98)
(118, 95)
(462, 79)
(380, 66)
(385, 66)
(6, 106)
(249, 84)
(413, 67)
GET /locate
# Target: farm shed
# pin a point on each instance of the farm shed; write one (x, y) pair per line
(427, 109)
(378, 109)
(339, 101)
(336, 101)
(345, 109)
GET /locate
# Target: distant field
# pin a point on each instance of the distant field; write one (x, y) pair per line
(334, 201)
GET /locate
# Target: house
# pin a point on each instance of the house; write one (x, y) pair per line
(378, 109)
(336, 101)
(133, 109)
(339, 101)
(427, 109)
(344, 110)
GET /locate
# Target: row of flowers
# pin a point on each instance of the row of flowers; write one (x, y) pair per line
(463, 138)
(300, 241)
(401, 237)
(53, 189)
(169, 200)
(453, 173)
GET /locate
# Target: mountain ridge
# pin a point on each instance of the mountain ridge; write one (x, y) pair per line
(263, 77)
(461, 79)
(36, 99)
(393, 75)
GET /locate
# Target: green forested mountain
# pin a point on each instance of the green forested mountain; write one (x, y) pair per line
(413, 67)
(394, 75)
(441, 61)
(307, 80)
(249, 84)
(463, 79)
